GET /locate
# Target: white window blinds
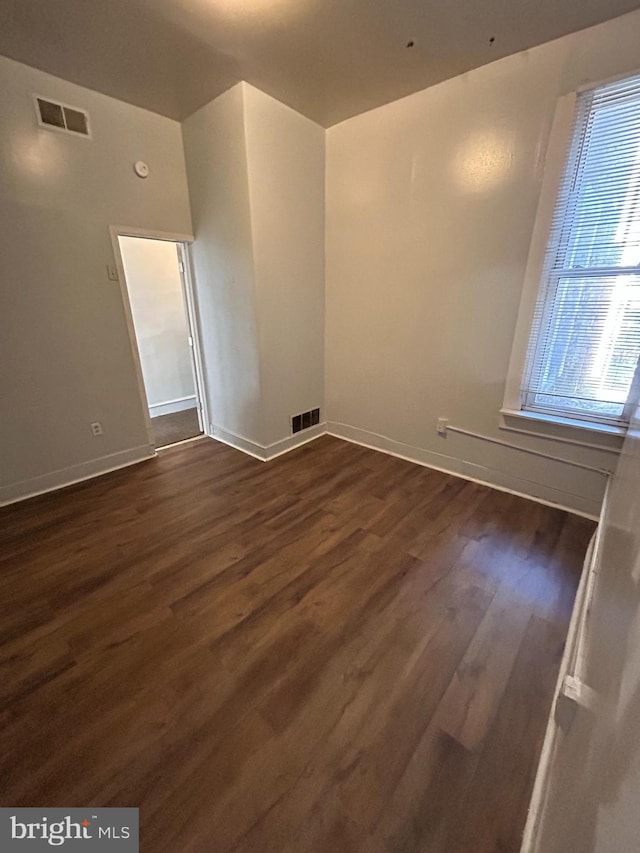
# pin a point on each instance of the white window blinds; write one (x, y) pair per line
(585, 338)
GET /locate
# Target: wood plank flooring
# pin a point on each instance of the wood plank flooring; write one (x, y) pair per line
(338, 651)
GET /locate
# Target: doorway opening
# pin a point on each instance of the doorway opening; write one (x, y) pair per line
(157, 292)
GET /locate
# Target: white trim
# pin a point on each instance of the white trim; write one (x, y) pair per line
(547, 495)
(605, 81)
(540, 453)
(572, 664)
(555, 163)
(543, 773)
(239, 442)
(115, 232)
(74, 474)
(284, 445)
(613, 436)
(578, 658)
(167, 236)
(181, 442)
(573, 423)
(169, 407)
(266, 452)
(457, 467)
(193, 320)
(564, 422)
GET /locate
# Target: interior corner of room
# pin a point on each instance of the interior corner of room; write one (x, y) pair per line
(256, 276)
(314, 287)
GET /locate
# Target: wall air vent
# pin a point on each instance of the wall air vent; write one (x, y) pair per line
(56, 116)
(305, 420)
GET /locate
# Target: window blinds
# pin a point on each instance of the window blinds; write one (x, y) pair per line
(585, 338)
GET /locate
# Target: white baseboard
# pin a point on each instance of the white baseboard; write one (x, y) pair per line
(277, 448)
(573, 663)
(468, 470)
(500, 480)
(74, 474)
(180, 404)
(266, 452)
(251, 448)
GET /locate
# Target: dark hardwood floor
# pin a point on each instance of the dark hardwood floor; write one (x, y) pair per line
(335, 651)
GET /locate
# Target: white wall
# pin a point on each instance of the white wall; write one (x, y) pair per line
(594, 786)
(256, 180)
(285, 154)
(65, 349)
(162, 332)
(215, 151)
(431, 202)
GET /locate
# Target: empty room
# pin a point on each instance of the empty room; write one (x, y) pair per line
(320, 426)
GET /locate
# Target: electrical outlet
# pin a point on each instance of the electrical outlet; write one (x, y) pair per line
(112, 272)
(442, 426)
(96, 428)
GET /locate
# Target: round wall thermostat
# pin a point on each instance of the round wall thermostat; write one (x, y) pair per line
(141, 169)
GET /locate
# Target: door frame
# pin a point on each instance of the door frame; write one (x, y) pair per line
(189, 299)
(191, 312)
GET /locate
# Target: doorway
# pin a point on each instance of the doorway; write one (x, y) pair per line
(157, 292)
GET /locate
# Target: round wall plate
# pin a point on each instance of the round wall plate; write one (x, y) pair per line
(141, 169)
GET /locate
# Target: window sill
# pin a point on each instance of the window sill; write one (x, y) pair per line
(567, 430)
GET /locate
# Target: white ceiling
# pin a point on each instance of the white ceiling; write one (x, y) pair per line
(328, 59)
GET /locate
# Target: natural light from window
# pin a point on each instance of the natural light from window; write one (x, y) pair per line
(585, 339)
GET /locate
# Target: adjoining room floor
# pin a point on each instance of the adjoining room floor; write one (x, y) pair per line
(178, 426)
(335, 651)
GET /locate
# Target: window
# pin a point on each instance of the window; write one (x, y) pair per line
(585, 336)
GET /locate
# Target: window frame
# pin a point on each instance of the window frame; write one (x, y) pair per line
(512, 414)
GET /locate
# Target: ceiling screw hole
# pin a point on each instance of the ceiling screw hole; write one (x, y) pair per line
(410, 43)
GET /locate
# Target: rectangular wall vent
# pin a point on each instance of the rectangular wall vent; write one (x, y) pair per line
(305, 420)
(61, 117)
